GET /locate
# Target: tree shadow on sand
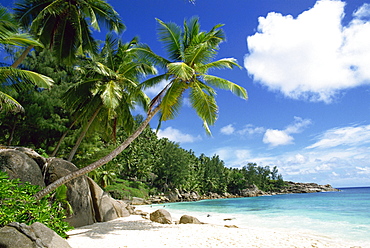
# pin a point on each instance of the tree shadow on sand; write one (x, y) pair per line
(114, 227)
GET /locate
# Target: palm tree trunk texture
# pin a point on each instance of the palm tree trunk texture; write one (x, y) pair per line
(101, 161)
(82, 135)
(22, 57)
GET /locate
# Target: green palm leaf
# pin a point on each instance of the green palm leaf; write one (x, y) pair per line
(170, 35)
(8, 103)
(172, 100)
(19, 77)
(145, 53)
(18, 39)
(226, 85)
(204, 103)
(225, 63)
(111, 95)
(181, 71)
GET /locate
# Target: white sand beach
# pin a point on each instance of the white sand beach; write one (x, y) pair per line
(137, 232)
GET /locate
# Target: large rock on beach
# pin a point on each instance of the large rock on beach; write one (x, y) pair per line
(187, 219)
(78, 194)
(16, 235)
(18, 165)
(161, 216)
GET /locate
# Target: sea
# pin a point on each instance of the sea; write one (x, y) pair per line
(343, 215)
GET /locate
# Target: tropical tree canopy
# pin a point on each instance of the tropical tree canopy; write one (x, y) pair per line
(192, 52)
(108, 89)
(65, 25)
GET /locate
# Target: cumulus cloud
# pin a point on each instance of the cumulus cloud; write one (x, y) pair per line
(345, 136)
(312, 56)
(229, 129)
(177, 136)
(345, 162)
(275, 137)
(249, 129)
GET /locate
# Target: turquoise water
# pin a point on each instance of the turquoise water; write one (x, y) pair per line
(341, 215)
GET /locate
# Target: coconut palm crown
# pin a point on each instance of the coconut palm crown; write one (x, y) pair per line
(65, 25)
(191, 55)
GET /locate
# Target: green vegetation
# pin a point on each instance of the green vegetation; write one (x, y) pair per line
(18, 205)
(87, 117)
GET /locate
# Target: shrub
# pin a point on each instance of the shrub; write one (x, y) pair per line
(17, 204)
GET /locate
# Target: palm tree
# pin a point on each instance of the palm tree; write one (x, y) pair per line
(109, 89)
(64, 25)
(15, 79)
(191, 52)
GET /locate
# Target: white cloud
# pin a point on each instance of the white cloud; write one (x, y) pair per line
(275, 137)
(363, 12)
(312, 56)
(363, 170)
(234, 156)
(298, 125)
(345, 136)
(344, 165)
(335, 174)
(248, 130)
(177, 136)
(251, 130)
(229, 129)
(153, 91)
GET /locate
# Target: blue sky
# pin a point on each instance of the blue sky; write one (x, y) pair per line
(306, 67)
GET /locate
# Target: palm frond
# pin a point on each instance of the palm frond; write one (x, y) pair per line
(7, 23)
(181, 71)
(215, 36)
(170, 35)
(151, 82)
(199, 54)
(106, 14)
(225, 63)
(191, 31)
(18, 39)
(18, 77)
(204, 104)
(111, 95)
(145, 53)
(89, 44)
(227, 85)
(9, 104)
(67, 40)
(172, 100)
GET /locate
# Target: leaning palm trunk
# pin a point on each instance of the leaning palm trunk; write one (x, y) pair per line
(101, 161)
(83, 134)
(23, 56)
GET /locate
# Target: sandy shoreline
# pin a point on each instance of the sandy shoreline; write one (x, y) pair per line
(136, 232)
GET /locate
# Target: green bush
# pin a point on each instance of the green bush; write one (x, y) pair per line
(17, 204)
(125, 189)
